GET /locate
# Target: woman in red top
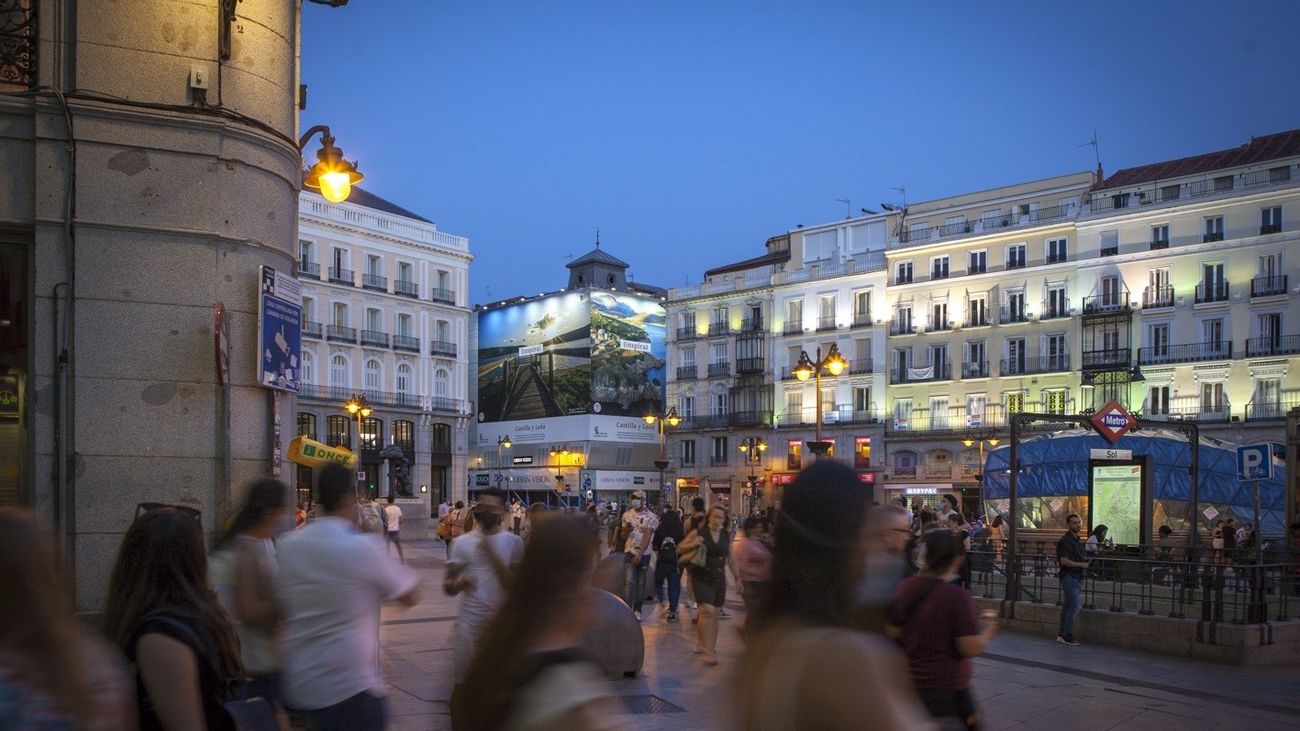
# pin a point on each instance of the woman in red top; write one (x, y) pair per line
(936, 623)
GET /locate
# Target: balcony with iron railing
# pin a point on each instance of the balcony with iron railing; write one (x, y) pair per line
(339, 275)
(1053, 311)
(687, 333)
(993, 224)
(705, 421)
(1010, 315)
(901, 327)
(308, 269)
(375, 282)
(843, 414)
(1188, 408)
(1159, 244)
(445, 296)
(1156, 297)
(1211, 237)
(1273, 345)
(1186, 353)
(1272, 410)
(861, 319)
(1272, 176)
(444, 348)
(1107, 359)
(406, 343)
(312, 329)
(374, 338)
(859, 366)
(341, 334)
(1107, 303)
(752, 325)
(750, 418)
(1220, 184)
(825, 323)
(1270, 228)
(978, 317)
(921, 374)
(719, 328)
(406, 289)
(1207, 292)
(718, 460)
(1268, 286)
(719, 369)
(746, 366)
(687, 373)
(1032, 365)
(340, 394)
(975, 369)
(938, 326)
(792, 328)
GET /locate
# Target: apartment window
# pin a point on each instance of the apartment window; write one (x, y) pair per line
(861, 307)
(1170, 192)
(686, 407)
(976, 359)
(404, 435)
(991, 218)
(306, 249)
(794, 314)
(861, 452)
(903, 319)
(688, 357)
(341, 314)
(826, 311)
(1160, 235)
(720, 450)
(1015, 357)
(1212, 399)
(1015, 256)
(938, 412)
(308, 309)
(1212, 332)
(1158, 340)
(1214, 228)
(794, 407)
(372, 433)
(793, 454)
(720, 317)
(1269, 327)
(939, 358)
(688, 322)
(1056, 250)
(403, 381)
(442, 331)
(340, 259)
(374, 320)
(1112, 295)
(1270, 220)
(903, 273)
(1055, 400)
(307, 425)
(719, 353)
(1222, 183)
(1057, 352)
(862, 399)
(1015, 306)
(939, 267)
(939, 316)
(1014, 401)
(688, 452)
(1057, 304)
(718, 403)
(307, 368)
(374, 266)
(404, 326)
(339, 371)
(338, 431)
(373, 376)
(1110, 340)
(978, 262)
(977, 311)
(1109, 243)
(442, 383)
(1267, 397)
(405, 272)
(444, 279)
(1158, 400)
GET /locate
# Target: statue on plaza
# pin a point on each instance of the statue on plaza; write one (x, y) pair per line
(399, 471)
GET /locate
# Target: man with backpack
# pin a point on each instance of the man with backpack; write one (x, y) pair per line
(666, 537)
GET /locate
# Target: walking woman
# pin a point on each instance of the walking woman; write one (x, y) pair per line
(163, 614)
(53, 674)
(243, 572)
(806, 668)
(528, 673)
(667, 537)
(709, 580)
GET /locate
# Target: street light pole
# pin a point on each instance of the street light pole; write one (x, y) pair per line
(753, 448)
(360, 408)
(834, 364)
(501, 442)
(663, 420)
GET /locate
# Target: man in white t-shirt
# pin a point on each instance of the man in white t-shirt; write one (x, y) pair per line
(393, 520)
(517, 514)
(640, 522)
(331, 584)
(479, 569)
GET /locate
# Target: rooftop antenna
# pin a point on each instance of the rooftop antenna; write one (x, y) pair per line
(847, 206)
(902, 191)
(1096, 149)
(489, 291)
(598, 237)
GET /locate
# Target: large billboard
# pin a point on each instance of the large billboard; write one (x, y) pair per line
(593, 355)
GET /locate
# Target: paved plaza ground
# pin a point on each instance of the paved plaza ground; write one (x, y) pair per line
(1022, 682)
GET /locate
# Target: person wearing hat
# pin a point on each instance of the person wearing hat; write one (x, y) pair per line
(639, 523)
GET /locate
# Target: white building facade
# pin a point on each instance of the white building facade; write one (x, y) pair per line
(385, 317)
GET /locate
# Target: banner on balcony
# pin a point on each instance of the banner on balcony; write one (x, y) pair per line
(920, 374)
(279, 326)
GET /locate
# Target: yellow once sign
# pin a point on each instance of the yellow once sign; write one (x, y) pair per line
(311, 453)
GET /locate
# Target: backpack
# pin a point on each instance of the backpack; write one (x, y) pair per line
(370, 519)
(668, 552)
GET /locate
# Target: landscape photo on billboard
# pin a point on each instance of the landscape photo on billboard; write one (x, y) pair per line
(534, 359)
(627, 354)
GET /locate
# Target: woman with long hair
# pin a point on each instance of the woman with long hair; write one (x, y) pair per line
(528, 674)
(162, 612)
(53, 675)
(806, 668)
(243, 569)
(709, 581)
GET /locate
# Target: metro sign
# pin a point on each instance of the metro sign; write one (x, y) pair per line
(1113, 421)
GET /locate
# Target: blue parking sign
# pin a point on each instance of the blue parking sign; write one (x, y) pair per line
(1254, 462)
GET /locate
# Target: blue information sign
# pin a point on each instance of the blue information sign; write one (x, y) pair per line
(1254, 462)
(279, 331)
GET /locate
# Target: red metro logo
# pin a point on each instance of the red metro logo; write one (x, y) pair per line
(1113, 421)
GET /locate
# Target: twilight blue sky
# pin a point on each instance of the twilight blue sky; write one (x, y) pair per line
(689, 132)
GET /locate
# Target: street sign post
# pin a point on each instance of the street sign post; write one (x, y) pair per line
(1113, 421)
(1255, 463)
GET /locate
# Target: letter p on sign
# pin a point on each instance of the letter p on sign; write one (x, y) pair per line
(1254, 462)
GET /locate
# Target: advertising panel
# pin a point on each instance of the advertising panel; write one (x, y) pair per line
(627, 354)
(280, 330)
(618, 480)
(534, 359)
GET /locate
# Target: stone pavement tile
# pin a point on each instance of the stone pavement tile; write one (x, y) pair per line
(1154, 719)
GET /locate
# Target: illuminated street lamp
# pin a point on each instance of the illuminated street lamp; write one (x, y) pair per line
(332, 175)
(753, 449)
(360, 408)
(664, 421)
(981, 438)
(558, 454)
(502, 443)
(834, 364)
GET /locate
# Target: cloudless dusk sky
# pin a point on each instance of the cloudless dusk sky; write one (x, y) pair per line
(690, 132)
